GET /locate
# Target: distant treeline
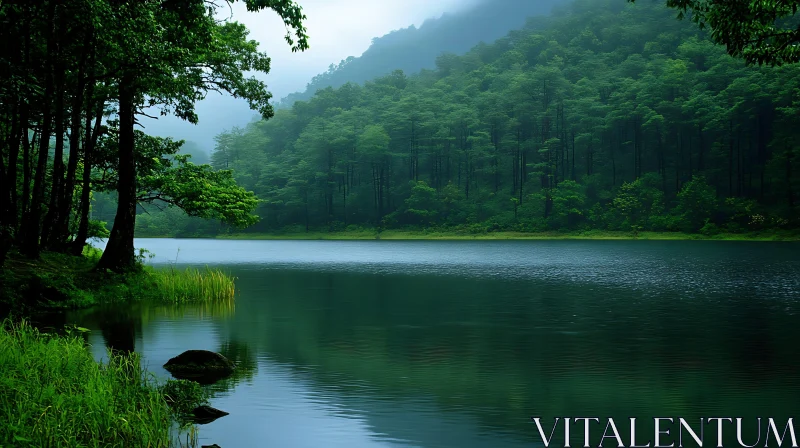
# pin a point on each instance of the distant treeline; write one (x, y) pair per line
(612, 116)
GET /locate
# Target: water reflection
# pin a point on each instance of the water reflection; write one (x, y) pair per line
(401, 351)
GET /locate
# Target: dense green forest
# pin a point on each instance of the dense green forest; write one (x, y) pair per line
(76, 76)
(606, 115)
(412, 49)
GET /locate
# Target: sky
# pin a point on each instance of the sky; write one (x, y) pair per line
(336, 28)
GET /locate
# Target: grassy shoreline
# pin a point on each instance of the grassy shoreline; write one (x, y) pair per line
(371, 234)
(52, 390)
(59, 281)
(54, 393)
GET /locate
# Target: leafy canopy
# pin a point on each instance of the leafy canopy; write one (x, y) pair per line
(759, 31)
(166, 177)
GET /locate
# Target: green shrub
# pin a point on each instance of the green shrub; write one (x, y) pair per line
(709, 229)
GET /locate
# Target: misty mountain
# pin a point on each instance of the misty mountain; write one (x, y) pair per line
(198, 155)
(413, 49)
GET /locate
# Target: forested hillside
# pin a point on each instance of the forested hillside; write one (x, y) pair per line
(412, 49)
(612, 116)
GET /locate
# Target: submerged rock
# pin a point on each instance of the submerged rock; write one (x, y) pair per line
(206, 414)
(210, 446)
(202, 366)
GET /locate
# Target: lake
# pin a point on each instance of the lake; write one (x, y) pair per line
(459, 343)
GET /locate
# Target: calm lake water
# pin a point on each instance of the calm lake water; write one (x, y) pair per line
(458, 344)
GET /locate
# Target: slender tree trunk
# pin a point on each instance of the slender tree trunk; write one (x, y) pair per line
(572, 176)
(515, 165)
(89, 144)
(701, 154)
(61, 231)
(344, 199)
(27, 154)
(662, 161)
(306, 208)
(30, 245)
(789, 190)
(58, 162)
(678, 160)
(119, 253)
(10, 194)
(730, 158)
(8, 188)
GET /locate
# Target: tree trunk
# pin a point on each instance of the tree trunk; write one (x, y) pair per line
(730, 158)
(32, 224)
(789, 190)
(8, 188)
(119, 254)
(9, 185)
(58, 163)
(701, 156)
(85, 202)
(61, 231)
(26, 172)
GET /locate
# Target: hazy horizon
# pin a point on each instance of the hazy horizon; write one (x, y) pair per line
(330, 41)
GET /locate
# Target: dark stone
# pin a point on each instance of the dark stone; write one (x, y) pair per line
(199, 362)
(206, 414)
(210, 446)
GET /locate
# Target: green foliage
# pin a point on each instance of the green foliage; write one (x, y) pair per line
(174, 222)
(603, 117)
(761, 32)
(183, 396)
(697, 202)
(639, 203)
(71, 64)
(193, 285)
(568, 206)
(98, 229)
(166, 177)
(422, 207)
(202, 192)
(53, 393)
(741, 214)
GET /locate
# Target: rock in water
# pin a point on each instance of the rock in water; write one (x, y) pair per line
(210, 446)
(206, 414)
(199, 361)
(202, 366)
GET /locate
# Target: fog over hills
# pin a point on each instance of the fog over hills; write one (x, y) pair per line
(412, 49)
(444, 26)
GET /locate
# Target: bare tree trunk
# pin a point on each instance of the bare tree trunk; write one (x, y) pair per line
(58, 162)
(88, 153)
(30, 244)
(119, 254)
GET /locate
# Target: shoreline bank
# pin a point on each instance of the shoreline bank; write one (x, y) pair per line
(456, 236)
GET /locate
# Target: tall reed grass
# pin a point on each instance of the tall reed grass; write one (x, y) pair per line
(194, 285)
(53, 393)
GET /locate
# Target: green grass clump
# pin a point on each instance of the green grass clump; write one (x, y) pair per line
(183, 396)
(194, 285)
(53, 393)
